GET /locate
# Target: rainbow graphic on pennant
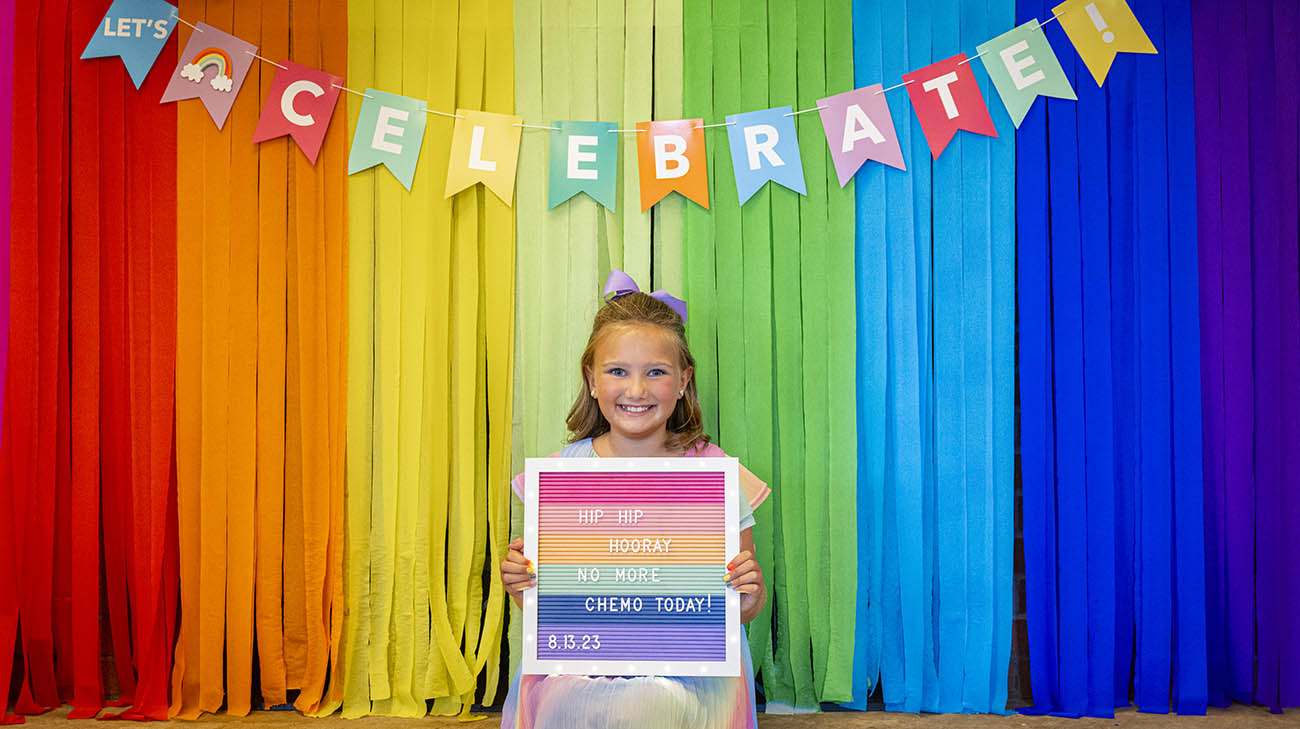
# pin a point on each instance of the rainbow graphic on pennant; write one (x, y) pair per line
(195, 69)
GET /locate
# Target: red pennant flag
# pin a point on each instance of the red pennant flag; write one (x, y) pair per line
(300, 104)
(947, 97)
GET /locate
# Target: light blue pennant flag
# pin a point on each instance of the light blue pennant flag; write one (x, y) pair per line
(765, 146)
(136, 30)
(584, 158)
(389, 131)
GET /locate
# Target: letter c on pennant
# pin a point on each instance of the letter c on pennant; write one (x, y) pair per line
(291, 92)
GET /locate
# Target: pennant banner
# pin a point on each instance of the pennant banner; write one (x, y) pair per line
(765, 146)
(484, 148)
(212, 69)
(300, 104)
(1100, 30)
(947, 98)
(584, 158)
(859, 127)
(135, 30)
(389, 131)
(670, 157)
(1023, 67)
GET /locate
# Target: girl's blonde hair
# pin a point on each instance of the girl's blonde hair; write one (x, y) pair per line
(686, 424)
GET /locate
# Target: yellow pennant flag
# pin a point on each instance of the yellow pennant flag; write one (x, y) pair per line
(484, 148)
(1101, 29)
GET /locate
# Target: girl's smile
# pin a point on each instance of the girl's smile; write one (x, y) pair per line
(637, 379)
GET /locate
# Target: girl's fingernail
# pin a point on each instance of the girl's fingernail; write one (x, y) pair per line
(729, 583)
(727, 578)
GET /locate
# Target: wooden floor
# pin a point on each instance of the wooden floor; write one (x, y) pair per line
(1240, 717)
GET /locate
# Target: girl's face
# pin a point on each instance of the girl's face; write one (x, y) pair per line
(637, 375)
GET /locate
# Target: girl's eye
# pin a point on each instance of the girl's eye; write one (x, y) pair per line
(616, 371)
(657, 371)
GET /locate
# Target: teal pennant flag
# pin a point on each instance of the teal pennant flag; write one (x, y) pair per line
(1023, 67)
(389, 131)
(584, 158)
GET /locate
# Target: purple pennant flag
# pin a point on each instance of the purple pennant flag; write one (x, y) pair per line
(859, 127)
(212, 68)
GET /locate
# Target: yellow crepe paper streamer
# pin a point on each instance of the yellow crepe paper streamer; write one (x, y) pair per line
(430, 352)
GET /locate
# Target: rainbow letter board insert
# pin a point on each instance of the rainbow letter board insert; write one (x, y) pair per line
(630, 555)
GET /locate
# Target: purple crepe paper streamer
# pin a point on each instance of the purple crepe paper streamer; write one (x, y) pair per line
(1238, 377)
(1209, 157)
(1286, 25)
(1264, 251)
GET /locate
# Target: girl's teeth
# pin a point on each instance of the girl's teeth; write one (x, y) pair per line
(636, 408)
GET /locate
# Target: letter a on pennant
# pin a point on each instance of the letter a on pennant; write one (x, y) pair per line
(300, 104)
(947, 98)
(859, 127)
(389, 131)
(137, 42)
(484, 148)
(670, 157)
(1101, 29)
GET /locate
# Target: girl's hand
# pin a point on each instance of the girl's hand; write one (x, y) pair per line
(745, 576)
(517, 573)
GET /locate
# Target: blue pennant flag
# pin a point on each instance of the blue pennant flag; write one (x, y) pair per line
(765, 146)
(136, 30)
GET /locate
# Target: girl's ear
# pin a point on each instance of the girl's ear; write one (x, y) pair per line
(687, 374)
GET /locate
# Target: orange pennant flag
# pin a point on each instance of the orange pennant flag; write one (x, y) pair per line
(670, 157)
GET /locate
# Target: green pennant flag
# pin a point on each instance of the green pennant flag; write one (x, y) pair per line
(1023, 67)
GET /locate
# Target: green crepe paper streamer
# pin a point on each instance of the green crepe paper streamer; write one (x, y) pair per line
(530, 208)
(729, 256)
(562, 312)
(667, 215)
(756, 231)
(699, 283)
(814, 563)
(609, 103)
(638, 87)
(361, 271)
(778, 680)
(843, 434)
(583, 253)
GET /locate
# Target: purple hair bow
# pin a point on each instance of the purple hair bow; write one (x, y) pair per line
(621, 284)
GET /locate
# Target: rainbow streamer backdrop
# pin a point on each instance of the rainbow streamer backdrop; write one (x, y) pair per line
(284, 403)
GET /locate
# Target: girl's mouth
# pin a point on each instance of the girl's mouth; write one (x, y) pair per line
(635, 409)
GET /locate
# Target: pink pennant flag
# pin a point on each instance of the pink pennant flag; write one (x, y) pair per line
(300, 104)
(859, 127)
(211, 69)
(947, 98)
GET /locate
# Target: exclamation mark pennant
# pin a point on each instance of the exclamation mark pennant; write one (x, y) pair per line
(1106, 35)
(1100, 29)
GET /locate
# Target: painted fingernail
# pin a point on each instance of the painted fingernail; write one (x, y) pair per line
(727, 578)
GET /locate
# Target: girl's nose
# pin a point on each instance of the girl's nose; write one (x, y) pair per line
(636, 387)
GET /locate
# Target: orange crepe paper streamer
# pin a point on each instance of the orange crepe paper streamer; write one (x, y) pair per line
(259, 417)
(272, 279)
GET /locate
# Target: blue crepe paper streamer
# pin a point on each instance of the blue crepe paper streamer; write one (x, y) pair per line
(871, 372)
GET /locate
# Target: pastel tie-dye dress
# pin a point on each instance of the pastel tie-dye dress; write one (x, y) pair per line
(652, 702)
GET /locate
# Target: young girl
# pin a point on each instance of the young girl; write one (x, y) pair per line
(639, 399)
